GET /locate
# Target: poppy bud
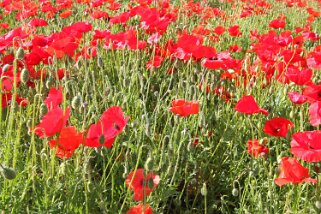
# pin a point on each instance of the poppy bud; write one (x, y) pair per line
(89, 186)
(43, 109)
(15, 106)
(204, 190)
(20, 53)
(100, 62)
(24, 76)
(75, 103)
(8, 173)
(5, 68)
(49, 82)
(150, 183)
(29, 124)
(156, 93)
(285, 91)
(291, 114)
(235, 192)
(148, 164)
(318, 204)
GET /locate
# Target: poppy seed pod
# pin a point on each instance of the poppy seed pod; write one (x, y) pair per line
(5, 68)
(8, 173)
(20, 53)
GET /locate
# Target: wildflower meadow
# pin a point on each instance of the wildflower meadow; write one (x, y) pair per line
(160, 106)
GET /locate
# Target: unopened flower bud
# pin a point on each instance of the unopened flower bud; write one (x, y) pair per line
(100, 62)
(75, 103)
(5, 68)
(24, 75)
(235, 192)
(43, 109)
(204, 189)
(20, 53)
(318, 204)
(49, 82)
(148, 164)
(8, 173)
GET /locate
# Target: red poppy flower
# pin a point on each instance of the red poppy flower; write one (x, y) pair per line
(277, 23)
(297, 98)
(37, 22)
(247, 105)
(103, 133)
(277, 126)
(299, 77)
(141, 184)
(140, 209)
(307, 145)
(155, 62)
(234, 30)
(184, 108)
(312, 93)
(68, 141)
(54, 98)
(256, 149)
(65, 14)
(315, 113)
(52, 122)
(219, 30)
(291, 171)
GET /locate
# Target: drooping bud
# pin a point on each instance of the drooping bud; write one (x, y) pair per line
(148, 164)
(49, 82)
(235, 192)
(75, 103)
